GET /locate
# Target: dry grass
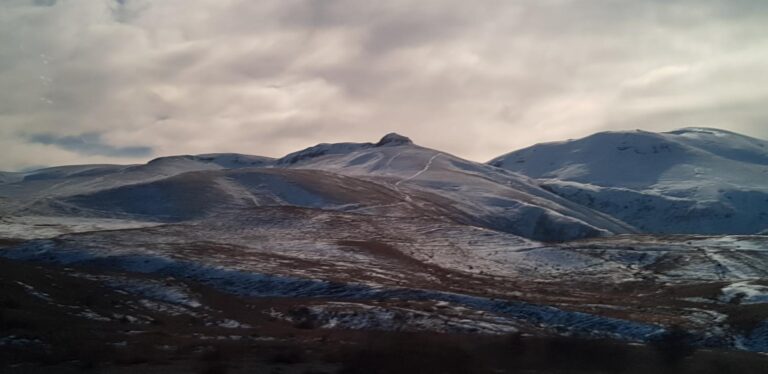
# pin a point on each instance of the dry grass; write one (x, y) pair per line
(75, 343)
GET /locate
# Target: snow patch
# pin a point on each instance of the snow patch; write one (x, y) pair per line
(745, 293)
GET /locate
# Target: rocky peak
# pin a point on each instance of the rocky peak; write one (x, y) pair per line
(394, 139)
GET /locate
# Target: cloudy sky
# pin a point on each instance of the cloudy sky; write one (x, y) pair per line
(121, 81)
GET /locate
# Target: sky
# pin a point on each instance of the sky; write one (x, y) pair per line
(124, 81)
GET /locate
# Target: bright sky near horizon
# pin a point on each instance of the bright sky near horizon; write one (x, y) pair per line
(121, 81)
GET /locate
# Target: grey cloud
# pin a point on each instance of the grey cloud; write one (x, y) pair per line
(44, 2)
(740, 115)
(268, 77)
(89, 144)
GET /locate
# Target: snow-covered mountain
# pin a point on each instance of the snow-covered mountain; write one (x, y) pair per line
(7, 177)
(397, 237)
(391, 177)
(693, 180)
(22, 191)
(475, 193)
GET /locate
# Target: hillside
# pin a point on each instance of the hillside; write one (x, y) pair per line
(694, 180)
(392, 177)
(331, 245)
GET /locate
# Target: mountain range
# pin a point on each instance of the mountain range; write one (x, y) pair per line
(690, 181)
(636, 237)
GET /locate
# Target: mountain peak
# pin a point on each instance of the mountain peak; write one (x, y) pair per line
(394, 139)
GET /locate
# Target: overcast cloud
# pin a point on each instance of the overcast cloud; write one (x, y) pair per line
(122, 81)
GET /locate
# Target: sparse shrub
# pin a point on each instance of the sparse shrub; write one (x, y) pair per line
(212, 355)
(288, 356)
(737, 298)
(585, 354)
(412, 354)
(674, 346)
(136, 353)
(218, 368)
(746, 318)
(213, 361)
(87, 300)
(306, 324)
(515, 343)
(88, 354)
(303, 318)
(13, 321)
(9, 303)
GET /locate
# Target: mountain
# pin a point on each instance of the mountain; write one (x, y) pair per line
(693, 180)
(187, 255)
(391, 177)
(26, 193)
(475, 193)
(8, 177)
(700, 181)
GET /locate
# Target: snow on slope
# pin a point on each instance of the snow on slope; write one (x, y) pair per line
(393, 177)
(482, 195)
(35, 227)
(10, 177)
(200, 194)
(39, 186)
(688, 181)
(694, 180)
(240, 278)
(287, 252)
(745, 293)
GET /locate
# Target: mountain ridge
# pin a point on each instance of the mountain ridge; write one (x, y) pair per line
(692, 180)
(417, 181)
(390, 236)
